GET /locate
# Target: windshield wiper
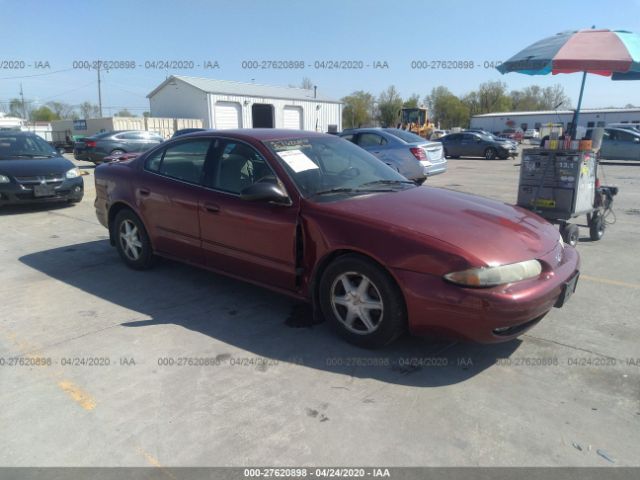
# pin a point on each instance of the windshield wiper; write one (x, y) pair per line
(389, 182)
(334, 190)
(353, 190)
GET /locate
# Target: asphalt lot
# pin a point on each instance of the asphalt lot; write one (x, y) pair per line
(279, 392)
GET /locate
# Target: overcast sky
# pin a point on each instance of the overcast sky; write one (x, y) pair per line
(230, 32)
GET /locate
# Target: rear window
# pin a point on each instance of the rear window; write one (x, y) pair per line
(405, 136)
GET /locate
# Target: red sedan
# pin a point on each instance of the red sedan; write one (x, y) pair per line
(315, 217)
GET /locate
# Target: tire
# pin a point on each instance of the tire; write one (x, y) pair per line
(490, 153)
(342, 297)
(596, 228)
(136, 252)
(570, 234)
(117, 151)
(445, 153)
(61, 151)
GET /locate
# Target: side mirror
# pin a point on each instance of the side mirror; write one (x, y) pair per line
(264, 192)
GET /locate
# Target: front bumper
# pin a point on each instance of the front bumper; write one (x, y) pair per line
(436, 307)
(14, 193)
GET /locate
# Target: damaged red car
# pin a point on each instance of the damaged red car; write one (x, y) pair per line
(317, 218)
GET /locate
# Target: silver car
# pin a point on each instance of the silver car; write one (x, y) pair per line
(620, 144)
(413, 156)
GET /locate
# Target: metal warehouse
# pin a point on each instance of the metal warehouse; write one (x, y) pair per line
(223, 104)
(497, 122)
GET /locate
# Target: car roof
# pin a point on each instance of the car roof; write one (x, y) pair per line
(625, 130)
(262, 134)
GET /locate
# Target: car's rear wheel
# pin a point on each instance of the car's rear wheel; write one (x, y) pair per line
(490, 153)
(362, 302)
(445, 153)
(117, 152)
(132, 240)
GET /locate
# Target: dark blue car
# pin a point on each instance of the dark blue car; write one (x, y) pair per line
(31, 171)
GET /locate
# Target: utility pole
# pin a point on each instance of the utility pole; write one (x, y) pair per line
(99, 93)
(24, 110)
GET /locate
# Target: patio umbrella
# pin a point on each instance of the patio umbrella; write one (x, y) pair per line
(612, 53)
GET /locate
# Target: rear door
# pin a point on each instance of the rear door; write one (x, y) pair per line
(628, 146)
(252, 240)
(130, 141)
(468, 145)
(452, 143)
(607, 149)
(373, 143)
(168, 195)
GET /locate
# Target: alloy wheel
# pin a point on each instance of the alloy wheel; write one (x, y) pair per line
(130, 240)
(357, 303)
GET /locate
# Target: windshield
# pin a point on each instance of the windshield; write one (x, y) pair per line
(414, 115)
(404, 135)
(24, 146)
(330, 165)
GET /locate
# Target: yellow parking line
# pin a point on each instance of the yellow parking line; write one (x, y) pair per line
(610, 282)
(81, 397)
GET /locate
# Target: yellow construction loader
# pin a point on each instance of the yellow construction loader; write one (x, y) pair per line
(416, 120)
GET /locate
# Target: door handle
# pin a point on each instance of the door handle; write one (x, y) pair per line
(144, 192)
(211, 208)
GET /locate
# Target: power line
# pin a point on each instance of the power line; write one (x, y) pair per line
(36, 74)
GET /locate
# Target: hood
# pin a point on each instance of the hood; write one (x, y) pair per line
(484, 231)
(28, 167)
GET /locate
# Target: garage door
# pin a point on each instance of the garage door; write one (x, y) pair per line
(292, 118)
(227, 115)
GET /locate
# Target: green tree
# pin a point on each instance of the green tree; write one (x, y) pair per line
(446, 109)
(124, 113)
(63, 110)
(16, 108)
(493, 97)
(88, 110)
(389, 106)
(358, 109)
(412, 102)
(43, 114)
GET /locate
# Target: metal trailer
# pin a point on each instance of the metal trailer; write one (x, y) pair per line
(562, 184)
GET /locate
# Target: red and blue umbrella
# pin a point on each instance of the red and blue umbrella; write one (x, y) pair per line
(612, 53)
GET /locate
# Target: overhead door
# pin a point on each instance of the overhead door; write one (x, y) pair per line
(292, 118)
(227, 115)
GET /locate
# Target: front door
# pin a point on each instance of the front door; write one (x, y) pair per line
(251, 239)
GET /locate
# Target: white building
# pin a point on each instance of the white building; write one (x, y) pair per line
(497, 122)
(222, 104)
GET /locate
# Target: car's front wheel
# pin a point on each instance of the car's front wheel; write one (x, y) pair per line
(362, 302)
(132, 240)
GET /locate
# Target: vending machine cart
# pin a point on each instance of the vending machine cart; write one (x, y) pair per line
(562, 184)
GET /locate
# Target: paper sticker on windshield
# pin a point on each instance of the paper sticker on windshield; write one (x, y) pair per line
(297, 160)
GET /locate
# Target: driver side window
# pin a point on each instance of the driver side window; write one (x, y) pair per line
(237, 166)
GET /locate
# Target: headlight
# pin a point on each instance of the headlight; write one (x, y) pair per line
(491, 276)
(73, 173)
(4, 179)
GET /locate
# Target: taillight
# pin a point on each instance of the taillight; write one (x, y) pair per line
(419, 153)
(90, 143)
